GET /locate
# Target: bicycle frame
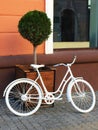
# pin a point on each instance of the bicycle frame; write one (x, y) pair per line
(68, 77)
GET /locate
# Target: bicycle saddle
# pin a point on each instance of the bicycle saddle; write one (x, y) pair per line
(36, 66)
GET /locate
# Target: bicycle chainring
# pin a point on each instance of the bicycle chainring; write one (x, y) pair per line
(49, 98)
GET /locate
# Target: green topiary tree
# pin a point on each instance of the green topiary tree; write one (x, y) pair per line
(35, 26)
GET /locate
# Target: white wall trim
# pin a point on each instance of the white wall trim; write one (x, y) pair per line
(49, 10)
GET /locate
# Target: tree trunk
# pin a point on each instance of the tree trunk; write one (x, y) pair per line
(35, 56)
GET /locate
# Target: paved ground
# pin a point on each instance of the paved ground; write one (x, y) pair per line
(60, 117)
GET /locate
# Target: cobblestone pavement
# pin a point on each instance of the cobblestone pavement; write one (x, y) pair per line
(60, 117)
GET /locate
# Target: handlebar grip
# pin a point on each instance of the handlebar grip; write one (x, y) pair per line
(56, 65)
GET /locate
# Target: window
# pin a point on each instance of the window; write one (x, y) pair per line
(70, 22)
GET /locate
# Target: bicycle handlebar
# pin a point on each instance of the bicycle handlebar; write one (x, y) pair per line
(68, 64)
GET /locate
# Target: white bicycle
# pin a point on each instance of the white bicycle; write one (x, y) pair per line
(24, 96)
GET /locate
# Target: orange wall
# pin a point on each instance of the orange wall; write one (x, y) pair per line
(11, 42)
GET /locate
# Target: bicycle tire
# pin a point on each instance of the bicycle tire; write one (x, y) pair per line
(82, 96)
(18, 102)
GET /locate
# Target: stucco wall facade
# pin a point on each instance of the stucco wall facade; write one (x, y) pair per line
(11, 43)
(16, 50)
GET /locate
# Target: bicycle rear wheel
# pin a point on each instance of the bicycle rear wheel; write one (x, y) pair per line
(82, 96)
(23, 97)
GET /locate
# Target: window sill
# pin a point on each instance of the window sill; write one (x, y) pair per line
(62, 45)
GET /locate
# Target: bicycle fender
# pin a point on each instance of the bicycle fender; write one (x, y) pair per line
(4, 93)
(69, 87)
(7, 88)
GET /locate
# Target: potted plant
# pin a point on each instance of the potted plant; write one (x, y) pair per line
(35, 26)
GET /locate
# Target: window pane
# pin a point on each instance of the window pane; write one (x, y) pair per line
(71, 20)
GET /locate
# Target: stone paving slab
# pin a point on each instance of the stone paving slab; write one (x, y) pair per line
(60, 117)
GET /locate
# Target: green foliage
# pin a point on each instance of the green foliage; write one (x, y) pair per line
(35, 26)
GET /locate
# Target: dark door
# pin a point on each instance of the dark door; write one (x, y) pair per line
(67, 25)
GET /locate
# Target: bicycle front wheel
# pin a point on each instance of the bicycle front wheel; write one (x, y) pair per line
(82, 96)
(23, 97)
